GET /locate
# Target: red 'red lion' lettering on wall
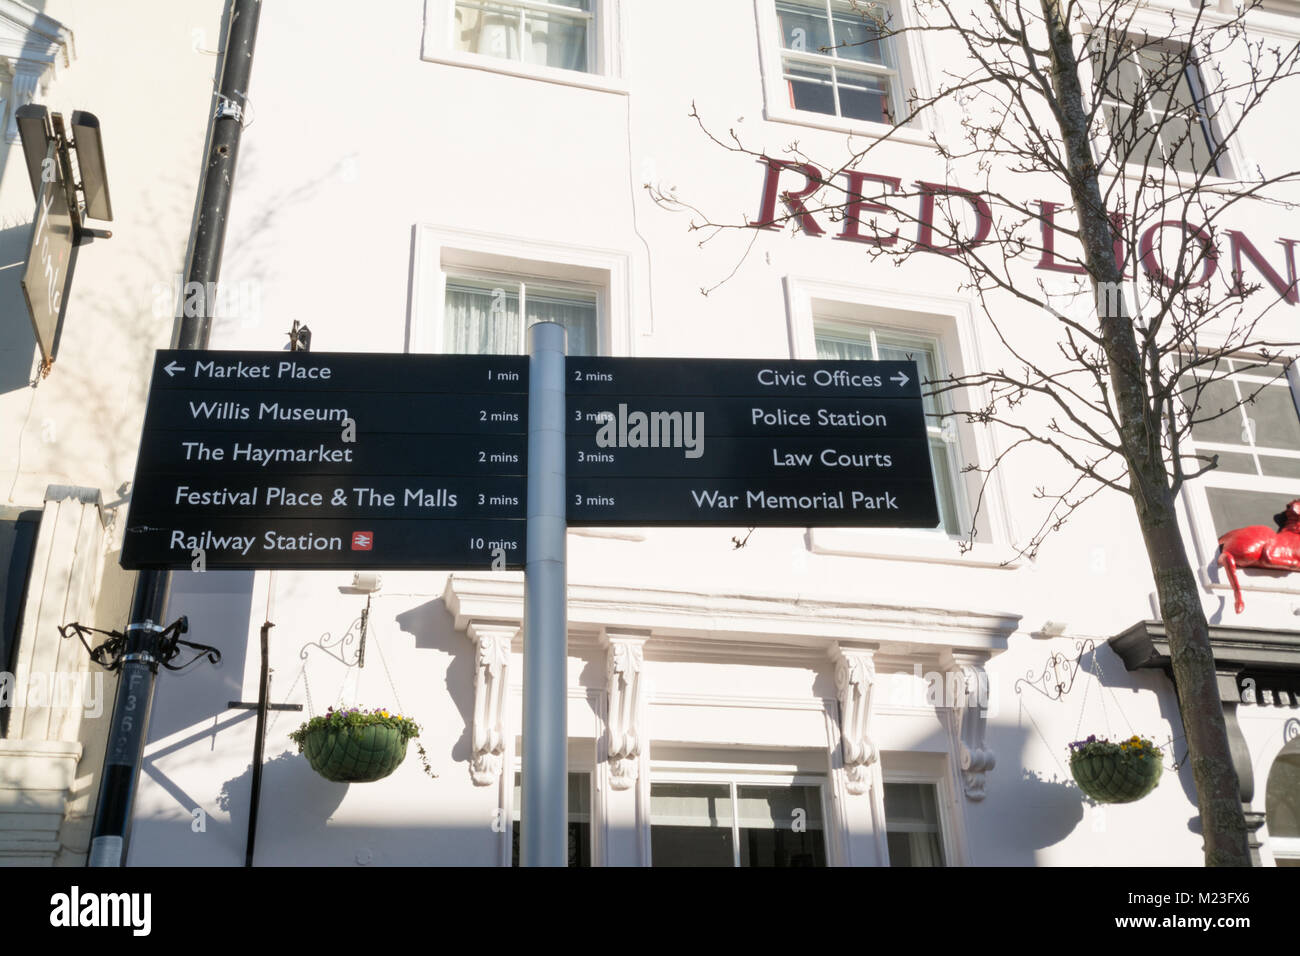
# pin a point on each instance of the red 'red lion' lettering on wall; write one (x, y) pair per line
(855, 203)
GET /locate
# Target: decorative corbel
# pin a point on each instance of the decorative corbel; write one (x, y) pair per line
(855, 676)
(491, 676)
(623, 664)
(969, 703)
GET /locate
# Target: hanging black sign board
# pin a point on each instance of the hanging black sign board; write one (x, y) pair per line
(331, 460)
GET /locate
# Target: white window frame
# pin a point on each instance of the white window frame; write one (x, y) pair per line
(603, 47)
(950, 322)
(953, 850)
(739, 777)
(910, 72)
(947, 432)
(514, 813)
(439, 251)
(1153, 24)
(1205, 538)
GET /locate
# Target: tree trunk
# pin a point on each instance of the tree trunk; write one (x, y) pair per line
(1218, 793)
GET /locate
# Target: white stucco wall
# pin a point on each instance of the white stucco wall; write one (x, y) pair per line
(365, 168)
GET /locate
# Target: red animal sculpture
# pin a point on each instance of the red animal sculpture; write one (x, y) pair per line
(1259, 546)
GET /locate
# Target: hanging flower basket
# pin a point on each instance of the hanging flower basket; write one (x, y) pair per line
(356, 746)
(1116, 773)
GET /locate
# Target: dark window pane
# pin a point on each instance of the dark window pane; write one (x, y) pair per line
(1230, 508)
(1184, 143)
(1273, 412)
(1222, 426)
(858, 39)
(1164, 104)
(1164, 85)
(1114, 72)
(914, 849)
(782, 848)
(17, 540)
(912, 824)
(780, 826)
(865, 99)
(803, 28)
(690, 825)
(810, 89)
(579, 820)
(1276, 466)
(1237, 464)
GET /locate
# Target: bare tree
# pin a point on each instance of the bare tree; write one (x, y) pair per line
(1135, 123)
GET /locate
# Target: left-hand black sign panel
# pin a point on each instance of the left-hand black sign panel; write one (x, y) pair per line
(331, 460)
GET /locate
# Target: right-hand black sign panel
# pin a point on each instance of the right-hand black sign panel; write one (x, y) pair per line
(754, 442)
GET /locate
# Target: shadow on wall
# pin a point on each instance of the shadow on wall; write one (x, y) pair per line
(298, 809)
(219, 606)
(1058, 805)
(315, 799)
(434, 629)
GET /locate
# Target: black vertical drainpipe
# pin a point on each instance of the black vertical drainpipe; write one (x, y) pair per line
(129, 725)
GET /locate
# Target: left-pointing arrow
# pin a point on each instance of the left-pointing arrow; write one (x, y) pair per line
(171, 368)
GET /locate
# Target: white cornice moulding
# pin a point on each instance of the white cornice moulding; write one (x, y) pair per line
(28, 34)
(30, 48)
(783, 625)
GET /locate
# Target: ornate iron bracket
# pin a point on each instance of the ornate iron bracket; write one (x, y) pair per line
(109, 654)
(1059, 672)
(338, 647)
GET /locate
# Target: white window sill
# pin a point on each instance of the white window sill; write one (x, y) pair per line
(478, 61)
(1282, 585)
(838, 124)
(931, 548)
(1134, 172)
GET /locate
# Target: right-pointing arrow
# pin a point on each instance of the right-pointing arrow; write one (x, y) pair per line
(900, 378)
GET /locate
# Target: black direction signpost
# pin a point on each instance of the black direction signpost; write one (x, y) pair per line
(306, 460)
(302, 460)
(744, 442)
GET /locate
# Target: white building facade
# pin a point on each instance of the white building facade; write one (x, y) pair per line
(825, 696)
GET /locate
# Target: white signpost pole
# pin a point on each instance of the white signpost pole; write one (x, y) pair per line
(544, 826)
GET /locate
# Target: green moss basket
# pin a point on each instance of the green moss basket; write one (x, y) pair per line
(357, 746)
(354, 754)
(1116, 773)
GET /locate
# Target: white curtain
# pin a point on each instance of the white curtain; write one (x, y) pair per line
(557, 41)
(553, 40)
(482, 321)
(577, 315)
(482, 317)
(844, 350)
